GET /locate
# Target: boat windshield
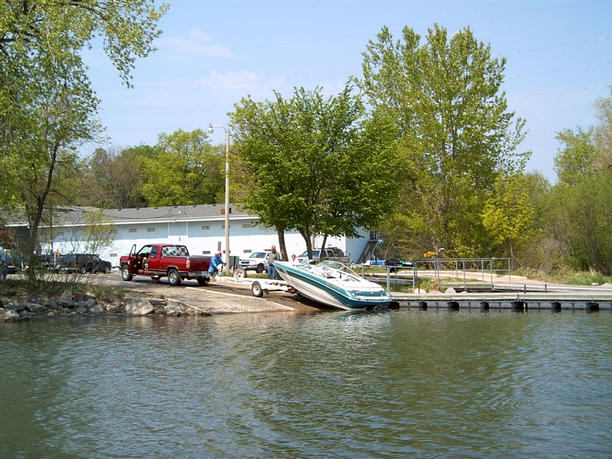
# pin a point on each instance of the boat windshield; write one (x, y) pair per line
(337, 265)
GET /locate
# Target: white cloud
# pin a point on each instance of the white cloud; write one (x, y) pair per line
(195, 44)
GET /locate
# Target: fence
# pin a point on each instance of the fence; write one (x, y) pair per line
(468, 269)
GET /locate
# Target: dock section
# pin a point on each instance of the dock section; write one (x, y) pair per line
(554, 301)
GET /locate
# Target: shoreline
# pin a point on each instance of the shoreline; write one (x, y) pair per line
(144, 298)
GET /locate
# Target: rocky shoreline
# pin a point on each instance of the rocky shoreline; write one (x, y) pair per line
(70, 303)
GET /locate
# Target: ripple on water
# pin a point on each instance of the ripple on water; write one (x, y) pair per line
(334, 384)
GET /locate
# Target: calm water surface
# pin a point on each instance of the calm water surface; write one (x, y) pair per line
(392, 384)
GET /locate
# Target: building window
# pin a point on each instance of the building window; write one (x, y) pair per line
(247, 251)
(248, 225)
(113, 254)
(205, 252)
(132, 230)
(205, 227)
(150, 230)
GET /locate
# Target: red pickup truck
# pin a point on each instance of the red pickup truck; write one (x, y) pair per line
(159, 260)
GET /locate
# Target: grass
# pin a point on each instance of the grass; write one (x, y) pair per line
(567, 277)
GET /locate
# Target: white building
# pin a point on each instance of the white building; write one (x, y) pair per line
(200, 227)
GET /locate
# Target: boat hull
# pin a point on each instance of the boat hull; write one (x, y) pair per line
(351, 296)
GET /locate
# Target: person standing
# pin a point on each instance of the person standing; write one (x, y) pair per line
(272, 257)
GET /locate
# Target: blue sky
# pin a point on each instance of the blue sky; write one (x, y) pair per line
(214, 52)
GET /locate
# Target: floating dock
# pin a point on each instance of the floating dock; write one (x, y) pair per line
(554, 301)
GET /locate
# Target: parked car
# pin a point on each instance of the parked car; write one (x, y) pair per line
(11, 264)
(256, 261)
(396, 264)
(83, 263)
(161, 260)
(329, 253)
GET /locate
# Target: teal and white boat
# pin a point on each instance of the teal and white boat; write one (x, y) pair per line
(334, 284)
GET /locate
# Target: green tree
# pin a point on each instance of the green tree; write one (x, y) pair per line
(47, 106)
(114, 180)
(509, 215)
(184, 169)
(456, 132)
(314, 164)
(576, 160)
(602, 134)
(579, 210)
(580, 220)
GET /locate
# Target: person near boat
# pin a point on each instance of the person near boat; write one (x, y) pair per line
(215, 263)
(272, 257)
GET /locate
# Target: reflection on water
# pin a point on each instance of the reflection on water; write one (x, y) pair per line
(334, 384)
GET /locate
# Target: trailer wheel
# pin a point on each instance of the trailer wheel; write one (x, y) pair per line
(202, 280)
(174, 278)
(126, 275)
(256, 289)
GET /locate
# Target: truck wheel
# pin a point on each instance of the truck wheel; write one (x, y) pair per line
(259, 269)
(256, 289)
(174, 278)
(125, 273)
(202, 280)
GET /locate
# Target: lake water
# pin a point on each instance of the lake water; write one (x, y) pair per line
(390, 384)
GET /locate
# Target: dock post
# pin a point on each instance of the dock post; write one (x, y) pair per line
(518, 306)
(591, 306)
(453, 305)
(555, 306)
(484, 305)
(423, 305)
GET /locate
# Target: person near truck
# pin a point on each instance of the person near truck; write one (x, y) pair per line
(215, 262)
(271, 258)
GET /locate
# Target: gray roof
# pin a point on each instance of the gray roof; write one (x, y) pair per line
(74, 216)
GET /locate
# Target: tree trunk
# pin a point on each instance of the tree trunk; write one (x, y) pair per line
(305, 232)
(281, 243)
(35, 214)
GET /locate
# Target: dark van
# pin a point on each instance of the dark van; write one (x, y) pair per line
(84, 263)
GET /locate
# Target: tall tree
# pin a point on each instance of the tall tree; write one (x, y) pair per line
(315, 164)
(184, 169)
(576, 159)
(509, 214)
(114, 180)
(602, 134)
(47, 105)
(455, 129)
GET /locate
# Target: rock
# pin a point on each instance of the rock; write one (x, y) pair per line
(81, 309)
(10, 315)
(138, 307)
(82, 305)
(113, 308)
(95, 309)
(174, 310)
(419, 291)
(65, 297)
(51, 305)
(450, 291)
(35, 308)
